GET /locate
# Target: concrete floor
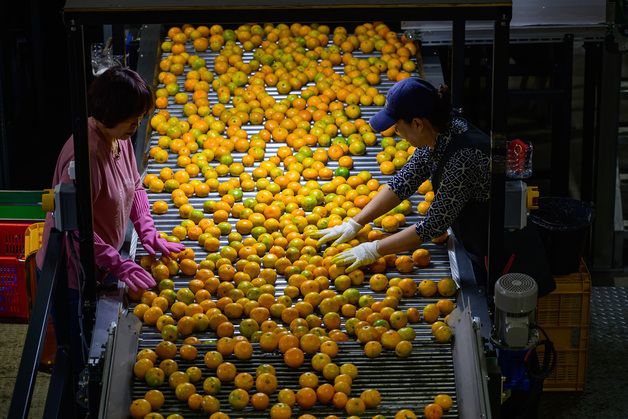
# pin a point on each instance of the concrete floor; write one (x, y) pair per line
(11, 345)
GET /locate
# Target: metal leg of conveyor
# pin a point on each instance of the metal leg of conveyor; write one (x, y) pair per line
(486, 374)
(118, 366)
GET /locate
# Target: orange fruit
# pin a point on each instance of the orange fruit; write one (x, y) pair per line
(372, 349)
(210, 404)
(177, 377)
(320, 360)
(268, 341)
(447, 287)
(310, 343)
(212, 385)
(443, 334)
(166, 350)
(413, 315)
(287, 342)
(260, 401)
(139, 408)
(266, 383)
(390, 339)
(154, 377)
(188, 352)
(155, 398)
(243, 350)
(404, 264)
(433, 411)
(427, 288)
(238, 398)
(293, 357)
(445, 306)
(186, 325)
(408, 286)
(421, 257)
(141, 366)
(390, 223)
(403, 349)
(425, 187)
(226, 372)
(287, 396)
(152, 315)
(431, 313)
(325, 393)
(308, 379)
(195, 401)
(340, 400)
(444, 401)
(213, 359)
(405, 414)
(169, 366)
(355, 406)
(330, 348)
(280, 411)
(371, 398)
(184, 390)
(306, 397)
(244, 380)
(423, 207)
(378, 282)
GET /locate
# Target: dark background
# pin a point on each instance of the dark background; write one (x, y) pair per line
(35, 104)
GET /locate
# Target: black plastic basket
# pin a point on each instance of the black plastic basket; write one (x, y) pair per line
(564, 224)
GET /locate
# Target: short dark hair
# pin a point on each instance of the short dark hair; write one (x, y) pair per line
(441, 113)
(117, 95)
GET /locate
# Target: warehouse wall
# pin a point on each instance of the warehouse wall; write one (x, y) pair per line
(35, 112)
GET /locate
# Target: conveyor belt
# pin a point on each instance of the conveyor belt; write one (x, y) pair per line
(404, 383)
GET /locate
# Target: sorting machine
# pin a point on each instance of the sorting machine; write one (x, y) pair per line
(460, 369)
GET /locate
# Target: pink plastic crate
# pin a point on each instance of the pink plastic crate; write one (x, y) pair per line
(13, 297)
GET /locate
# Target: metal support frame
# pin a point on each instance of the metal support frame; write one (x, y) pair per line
(591, 99)
(561, 120)
(457, 66)
(52, 286)
(498, 150)
(146, 65)
(78, 13)
(117, 41)
(606, 152)
(83, 173)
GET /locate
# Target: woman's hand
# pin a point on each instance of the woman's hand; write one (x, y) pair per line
(342, 233)
(125, 270)
(133, 275)
(356, 257)
(153, 243)
(145, 227)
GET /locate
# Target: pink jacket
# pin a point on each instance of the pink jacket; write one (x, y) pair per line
(114, 182)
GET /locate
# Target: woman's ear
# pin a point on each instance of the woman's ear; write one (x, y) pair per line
(417, 123)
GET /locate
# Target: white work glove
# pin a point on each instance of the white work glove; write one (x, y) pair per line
(362, 255)
(342, 233)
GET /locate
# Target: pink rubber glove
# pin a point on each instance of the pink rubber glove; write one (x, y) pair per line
(125, 270)
(145, 227)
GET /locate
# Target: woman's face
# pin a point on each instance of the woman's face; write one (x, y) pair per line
(410, 131)
(125, 129)
(417, 132)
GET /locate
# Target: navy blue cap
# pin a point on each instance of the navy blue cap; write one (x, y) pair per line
(409, 98)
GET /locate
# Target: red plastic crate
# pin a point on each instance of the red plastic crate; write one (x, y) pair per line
(12, 239)
(13, 297)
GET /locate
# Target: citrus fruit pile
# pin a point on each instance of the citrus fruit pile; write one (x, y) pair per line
(258, 139)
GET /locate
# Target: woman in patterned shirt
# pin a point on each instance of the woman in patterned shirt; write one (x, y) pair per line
(449, 151)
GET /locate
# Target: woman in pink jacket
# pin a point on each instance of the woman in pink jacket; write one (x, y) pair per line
(117, 101)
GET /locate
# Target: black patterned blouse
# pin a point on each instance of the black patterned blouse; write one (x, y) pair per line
(466, 176)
